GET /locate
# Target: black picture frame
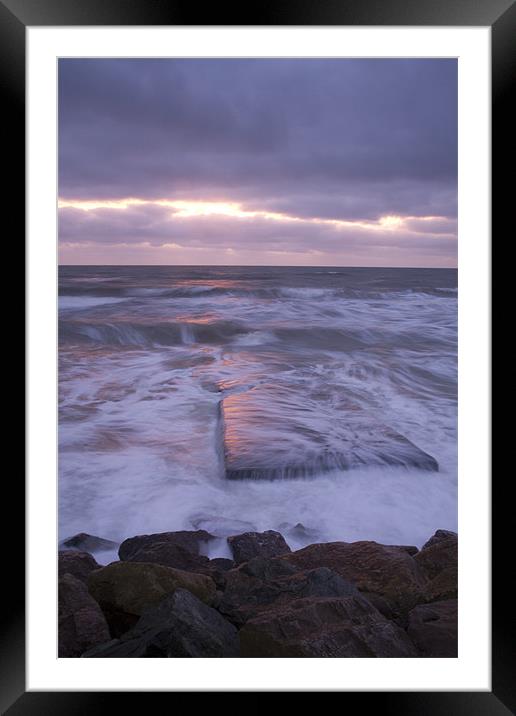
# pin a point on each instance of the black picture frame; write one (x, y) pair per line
(15, 16)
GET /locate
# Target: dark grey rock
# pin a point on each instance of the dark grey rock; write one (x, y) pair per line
(179, 626)
(179, 550)
(266, 569)
(81, 622)
(88, 543)
(261, 584)
(125, 589)
(222, 564)
(188, 541)
(248, 545)
(324, 627)
(169, 554)
(298, 531)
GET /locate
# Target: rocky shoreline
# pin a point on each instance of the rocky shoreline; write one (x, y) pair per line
(164, 598)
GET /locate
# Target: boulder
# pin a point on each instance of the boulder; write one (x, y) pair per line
(264, 569)
(179, 626)
(439, 553)
(324, 627)
(440, 536)
(260, 584)
(443, 586)
(299, 532)
(79, 564)
(179, 550)
(169, 554)
(125, 589)
(88, 543)
(383, 606)
(437, 559)
(188, 541)
(82, 624)
(217, 568)
(248, 545)
(433, 628)
(408, 548)
(222, 564)
(387, 571)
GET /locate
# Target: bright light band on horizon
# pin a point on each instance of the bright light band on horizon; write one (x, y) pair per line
(183, 209)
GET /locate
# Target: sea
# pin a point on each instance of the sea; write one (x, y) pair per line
(336, 389)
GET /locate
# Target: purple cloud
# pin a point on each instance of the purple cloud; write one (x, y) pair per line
(351, 140)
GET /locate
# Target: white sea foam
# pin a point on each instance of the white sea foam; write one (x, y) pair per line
(307, 293)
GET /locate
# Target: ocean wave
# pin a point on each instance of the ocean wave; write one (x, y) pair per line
(265, 293)
(148, 335)
(327, 339)
(84, 302)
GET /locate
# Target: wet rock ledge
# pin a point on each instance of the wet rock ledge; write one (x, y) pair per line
(163, 598)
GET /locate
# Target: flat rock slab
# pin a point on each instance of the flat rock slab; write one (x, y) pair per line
(268, 434)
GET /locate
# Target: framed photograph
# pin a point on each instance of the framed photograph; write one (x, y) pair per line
(258, 366)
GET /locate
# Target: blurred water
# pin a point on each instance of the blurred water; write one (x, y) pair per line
(147, 353)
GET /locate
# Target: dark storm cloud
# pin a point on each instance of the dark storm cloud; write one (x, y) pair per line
(347, 139)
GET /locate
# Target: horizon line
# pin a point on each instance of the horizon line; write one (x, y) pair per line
(429, 268)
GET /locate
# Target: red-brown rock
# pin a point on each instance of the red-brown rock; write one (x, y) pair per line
(438, 562)
(79, 564)
(387, 571)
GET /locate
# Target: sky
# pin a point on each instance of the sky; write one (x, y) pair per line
(319, 162)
